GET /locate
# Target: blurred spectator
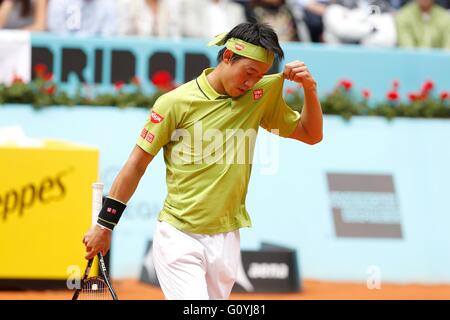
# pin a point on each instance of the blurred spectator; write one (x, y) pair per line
(423, 24)
(149, 18)
(23, 14)
(247, 8)
(207, 18)
(83, 17)
(443, 3)
(365, 22)
(279, 15)
(313, 11)
(397, 4)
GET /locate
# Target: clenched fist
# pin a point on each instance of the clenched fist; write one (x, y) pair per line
(298, 72)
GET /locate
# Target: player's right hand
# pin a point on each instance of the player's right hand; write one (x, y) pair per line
(97, 240)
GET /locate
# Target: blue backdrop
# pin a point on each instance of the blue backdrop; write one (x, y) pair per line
(288, 197)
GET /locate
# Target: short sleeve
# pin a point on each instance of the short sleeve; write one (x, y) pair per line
(277, 114)
(159, 127)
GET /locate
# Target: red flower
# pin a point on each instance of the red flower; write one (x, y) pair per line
(290, 91)
(50, 90)
(427, 86)
(162, 78)
(118, 85)
(48, 76)
(40, 69)
(413, 96)
(395, 85)
(444, 95)
(392, 96)
(346, 84)
(136, 81)
(365, 93)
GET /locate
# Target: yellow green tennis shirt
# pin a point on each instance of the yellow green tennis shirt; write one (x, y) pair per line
(208, 142)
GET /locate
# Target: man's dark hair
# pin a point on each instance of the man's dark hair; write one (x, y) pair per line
(259, 34)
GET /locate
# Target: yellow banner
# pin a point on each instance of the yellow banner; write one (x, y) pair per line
(45, 208)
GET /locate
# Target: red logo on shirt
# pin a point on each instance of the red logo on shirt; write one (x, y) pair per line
(144, 133)
(257, 94)
(156, 118)
(239, 47)
(149, 137)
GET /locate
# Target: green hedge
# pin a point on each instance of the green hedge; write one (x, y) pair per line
(343, 100)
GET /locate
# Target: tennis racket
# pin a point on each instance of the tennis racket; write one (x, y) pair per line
(97, 287)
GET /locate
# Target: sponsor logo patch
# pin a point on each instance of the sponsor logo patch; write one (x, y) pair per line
(144, 133)
(257, 94)
(156, 118)
(149, 137)
(111, 210)
(239, 47)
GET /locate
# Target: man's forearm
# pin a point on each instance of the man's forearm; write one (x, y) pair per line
(126, 183)
(311, 116)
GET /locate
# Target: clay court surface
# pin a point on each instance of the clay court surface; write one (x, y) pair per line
(312, 290)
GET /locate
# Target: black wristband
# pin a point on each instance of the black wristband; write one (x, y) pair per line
(111, 212)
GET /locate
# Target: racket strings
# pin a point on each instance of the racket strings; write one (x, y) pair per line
(95, 288)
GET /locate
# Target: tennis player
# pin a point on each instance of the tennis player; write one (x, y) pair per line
(196, 244)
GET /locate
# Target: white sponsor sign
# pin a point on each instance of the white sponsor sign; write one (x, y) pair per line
(15, 55)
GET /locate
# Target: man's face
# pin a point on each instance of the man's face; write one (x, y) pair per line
(425, 5)
(241, 75)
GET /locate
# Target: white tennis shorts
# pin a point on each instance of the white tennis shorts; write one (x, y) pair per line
(195, 266)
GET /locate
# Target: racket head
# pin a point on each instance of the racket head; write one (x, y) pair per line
(95, 288)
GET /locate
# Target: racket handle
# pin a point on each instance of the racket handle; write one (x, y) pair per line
(97, 200)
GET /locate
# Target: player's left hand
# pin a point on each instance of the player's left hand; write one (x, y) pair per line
(298, 72)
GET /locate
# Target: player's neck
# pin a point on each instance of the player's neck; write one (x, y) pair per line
(215, 80)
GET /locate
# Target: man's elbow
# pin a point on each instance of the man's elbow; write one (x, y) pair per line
(314, 140)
